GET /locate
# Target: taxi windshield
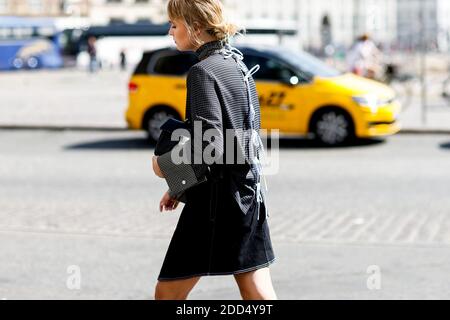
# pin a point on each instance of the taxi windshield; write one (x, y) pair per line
(308, 64)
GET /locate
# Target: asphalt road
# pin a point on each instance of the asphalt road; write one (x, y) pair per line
(88, 201)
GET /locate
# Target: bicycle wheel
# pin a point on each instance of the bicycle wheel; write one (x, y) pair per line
(404, 93)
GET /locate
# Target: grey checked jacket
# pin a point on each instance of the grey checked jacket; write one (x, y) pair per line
(217, 97)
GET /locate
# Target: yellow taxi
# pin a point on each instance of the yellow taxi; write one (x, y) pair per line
(299, 95)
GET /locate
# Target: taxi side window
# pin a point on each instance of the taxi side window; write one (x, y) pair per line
(270, 69)
(174, 64)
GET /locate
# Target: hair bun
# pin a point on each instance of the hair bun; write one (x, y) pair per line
(224, 30)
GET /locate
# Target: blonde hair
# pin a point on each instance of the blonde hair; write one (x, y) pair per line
(207, 14)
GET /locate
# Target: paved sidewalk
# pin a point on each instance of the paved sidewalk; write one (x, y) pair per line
(435, 116)
(64, 99)
(73, 99)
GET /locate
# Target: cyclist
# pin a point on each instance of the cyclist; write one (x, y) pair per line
(364, 58)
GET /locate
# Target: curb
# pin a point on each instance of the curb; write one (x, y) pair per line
(62, 128)
(424, 131)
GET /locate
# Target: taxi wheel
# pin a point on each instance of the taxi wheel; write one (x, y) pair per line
(155, 118)
(333, 127)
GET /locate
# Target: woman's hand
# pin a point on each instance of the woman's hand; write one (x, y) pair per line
(167, 203)
(156, 167)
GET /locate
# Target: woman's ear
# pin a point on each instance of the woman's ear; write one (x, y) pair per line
(197, 29)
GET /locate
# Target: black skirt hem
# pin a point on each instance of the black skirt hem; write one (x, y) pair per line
(264, 265)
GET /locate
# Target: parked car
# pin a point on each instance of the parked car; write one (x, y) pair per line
(299, 95)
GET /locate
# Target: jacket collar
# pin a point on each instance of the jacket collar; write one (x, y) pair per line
(209, 48)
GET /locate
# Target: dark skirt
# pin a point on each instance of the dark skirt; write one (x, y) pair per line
(214, 237)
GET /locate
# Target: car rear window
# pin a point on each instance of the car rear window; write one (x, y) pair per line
(175, 63)
(270, 69)
(142, 67)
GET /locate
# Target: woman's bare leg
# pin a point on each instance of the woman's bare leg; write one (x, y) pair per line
(175, 289)
(256, 285)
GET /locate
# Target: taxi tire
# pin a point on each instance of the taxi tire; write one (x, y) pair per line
(158, 115)
(327, 122)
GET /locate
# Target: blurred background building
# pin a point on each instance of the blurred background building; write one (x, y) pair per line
(65, 13)
(319, 23)
(127, 11)
(343, 19)
(325, 28)
(49, 8)
(423, 19)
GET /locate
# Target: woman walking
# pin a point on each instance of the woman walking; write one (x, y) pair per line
(223, 228)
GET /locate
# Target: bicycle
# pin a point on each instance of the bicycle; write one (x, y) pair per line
(446, 89)
(401, 83)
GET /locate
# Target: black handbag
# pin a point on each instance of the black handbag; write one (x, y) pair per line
(165, 143)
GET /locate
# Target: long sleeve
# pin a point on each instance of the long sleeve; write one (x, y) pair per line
(205, 112)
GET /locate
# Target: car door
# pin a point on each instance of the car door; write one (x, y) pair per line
(277, 86)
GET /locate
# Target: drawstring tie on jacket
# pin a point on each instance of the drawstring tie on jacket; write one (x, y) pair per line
(231, 52)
